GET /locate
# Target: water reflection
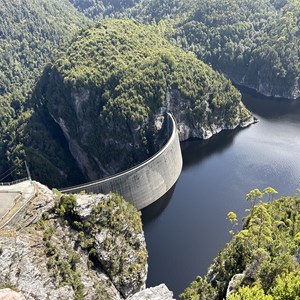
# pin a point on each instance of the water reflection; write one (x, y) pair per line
(271, 108)
(195, 151)
(152, 211)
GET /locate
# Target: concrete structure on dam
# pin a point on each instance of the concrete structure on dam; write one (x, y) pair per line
(146, 182)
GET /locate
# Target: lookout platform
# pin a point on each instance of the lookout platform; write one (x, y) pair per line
(14, 197)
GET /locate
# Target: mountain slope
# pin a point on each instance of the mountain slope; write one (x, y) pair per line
(30, 31)
(255, 43)
(261, 261)
(110, 84)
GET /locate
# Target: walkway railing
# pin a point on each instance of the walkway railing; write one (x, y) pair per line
(13, 182)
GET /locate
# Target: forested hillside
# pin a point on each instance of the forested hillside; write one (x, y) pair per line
(99, 9)
(262, 260)
(30, 31)
(110, 84)
(255, 43)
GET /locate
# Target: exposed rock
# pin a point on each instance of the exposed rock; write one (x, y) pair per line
(160, 292)
(191, 128)
(252, 270)
(119, 240)
(234, 284)
(43, 258)
(86, 204)
(125, 282)
(8, 294)
(297, 256)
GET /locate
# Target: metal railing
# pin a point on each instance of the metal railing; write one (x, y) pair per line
(13, 182)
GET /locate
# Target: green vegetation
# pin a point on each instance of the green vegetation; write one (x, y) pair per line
(122, 226)
(265, 251)
(30, 31)
(110, 81)
(99, 9)
(256, 43)
(286, 287)
(61, 262)
(123, 72)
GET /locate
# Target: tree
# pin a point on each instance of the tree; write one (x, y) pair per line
(199, 289)
(247, 293)
(287, 287)
(260, 225)
(253, 196)
(270, 192)
(232, 218)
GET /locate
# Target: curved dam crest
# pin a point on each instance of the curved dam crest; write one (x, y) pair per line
(146, 182)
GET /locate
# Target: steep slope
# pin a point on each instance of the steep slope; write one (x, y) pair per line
(74, 247)
(111, 83)
(30, 31)
(261, 261)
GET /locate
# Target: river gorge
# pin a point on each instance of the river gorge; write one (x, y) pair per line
(187, 228)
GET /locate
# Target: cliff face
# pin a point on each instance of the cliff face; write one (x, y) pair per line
(212, 122)
(112, 83)
(82, 247)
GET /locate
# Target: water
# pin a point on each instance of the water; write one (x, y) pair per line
(187, 228)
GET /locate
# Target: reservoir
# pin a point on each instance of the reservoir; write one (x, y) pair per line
(187, 228)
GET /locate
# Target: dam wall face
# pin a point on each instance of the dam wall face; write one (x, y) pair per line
(148, 181)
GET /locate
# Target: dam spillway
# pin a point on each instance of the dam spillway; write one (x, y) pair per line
(146, 182)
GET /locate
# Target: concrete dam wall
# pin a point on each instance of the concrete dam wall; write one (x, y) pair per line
(146, 182)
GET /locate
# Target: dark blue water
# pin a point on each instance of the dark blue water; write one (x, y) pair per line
(186, 230)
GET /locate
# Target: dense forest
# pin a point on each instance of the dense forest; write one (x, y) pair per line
(30, 31)
(262, 260)
(32, 34)
(255, 43)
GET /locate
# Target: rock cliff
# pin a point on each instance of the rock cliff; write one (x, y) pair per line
(74, 247)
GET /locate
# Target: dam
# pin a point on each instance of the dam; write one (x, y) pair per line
(146, 182)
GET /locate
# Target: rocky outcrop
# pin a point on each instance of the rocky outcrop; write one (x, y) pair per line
(40, 256)
(234, 284)
(270, 90)
(8, 294)
(210, 124)
(160, 292)
(47, 254)
(119, 240)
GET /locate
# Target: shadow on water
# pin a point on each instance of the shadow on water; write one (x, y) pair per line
(269, 108)
(195, 151)
(151, 212)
